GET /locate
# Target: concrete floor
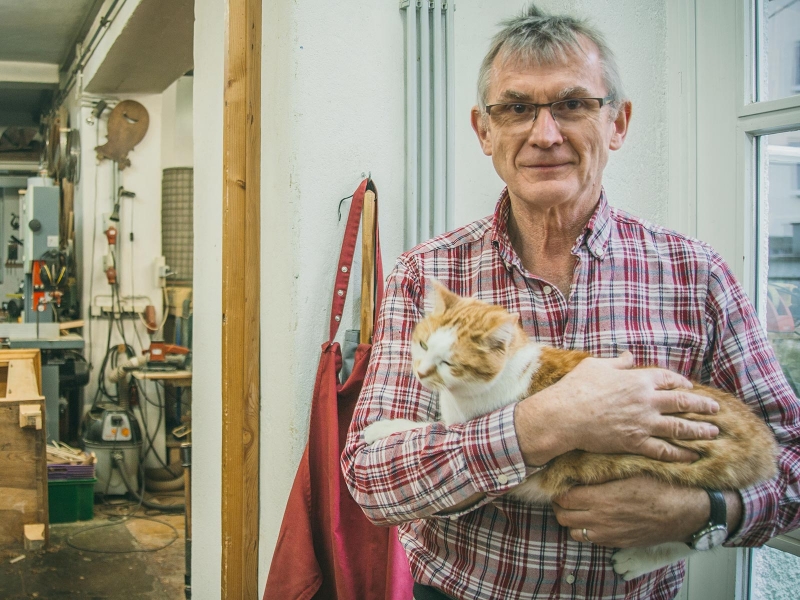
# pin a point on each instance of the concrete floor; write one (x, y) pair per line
(64, 572)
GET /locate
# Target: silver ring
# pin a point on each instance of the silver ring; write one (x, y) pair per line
(585, 535)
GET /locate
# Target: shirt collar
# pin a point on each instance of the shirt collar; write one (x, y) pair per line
(595, 235)
(598, 230)
(500, 239)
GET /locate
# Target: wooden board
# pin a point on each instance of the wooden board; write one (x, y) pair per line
(241, 249)
(367, 267)
(23, 476)
(64, 325)
(23, 450)
(21, 382)
(19, 354)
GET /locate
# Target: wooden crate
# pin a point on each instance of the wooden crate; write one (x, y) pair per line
(23, 450)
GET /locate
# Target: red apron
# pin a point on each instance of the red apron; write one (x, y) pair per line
(327, 549)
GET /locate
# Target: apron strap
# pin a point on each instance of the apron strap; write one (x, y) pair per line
(344, 266)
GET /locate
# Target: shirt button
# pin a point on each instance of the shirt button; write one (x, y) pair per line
(502, 478)
(547, 290)
(600, 252)
(570, 579)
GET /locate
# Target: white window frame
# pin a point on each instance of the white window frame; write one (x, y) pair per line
(713, 180)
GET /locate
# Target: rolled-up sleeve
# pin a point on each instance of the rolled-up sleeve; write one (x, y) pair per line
(742, 361)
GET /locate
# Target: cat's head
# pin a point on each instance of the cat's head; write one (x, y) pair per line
(462, 342)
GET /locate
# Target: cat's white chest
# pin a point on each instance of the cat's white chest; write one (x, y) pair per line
(450, 409)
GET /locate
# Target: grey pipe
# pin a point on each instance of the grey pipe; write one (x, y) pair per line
(148, 504)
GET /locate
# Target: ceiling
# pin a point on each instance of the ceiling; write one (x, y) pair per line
(151, 50)
(44, 30)
(38, 31)
(145, 47)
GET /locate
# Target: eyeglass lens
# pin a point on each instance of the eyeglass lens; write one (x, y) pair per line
(564, 111)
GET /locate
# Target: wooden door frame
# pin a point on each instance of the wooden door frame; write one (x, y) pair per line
(241, 224)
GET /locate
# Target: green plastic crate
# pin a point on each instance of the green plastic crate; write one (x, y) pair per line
(71, 500)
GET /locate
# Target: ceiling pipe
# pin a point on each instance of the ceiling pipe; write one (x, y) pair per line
(105, 22)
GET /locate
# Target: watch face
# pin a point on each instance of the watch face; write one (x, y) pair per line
(711, 538)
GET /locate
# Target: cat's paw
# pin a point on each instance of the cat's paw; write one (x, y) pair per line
(383, 429)
(633, 562)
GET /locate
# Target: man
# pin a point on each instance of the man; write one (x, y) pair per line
(581, 274)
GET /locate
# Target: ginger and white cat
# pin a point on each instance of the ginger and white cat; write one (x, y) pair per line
(478, 358)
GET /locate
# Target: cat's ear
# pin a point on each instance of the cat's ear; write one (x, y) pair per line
(442, 297)
(500, 337)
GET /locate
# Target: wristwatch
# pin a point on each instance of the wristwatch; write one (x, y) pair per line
(716, 530)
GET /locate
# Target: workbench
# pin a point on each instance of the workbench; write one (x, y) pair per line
(51, 361)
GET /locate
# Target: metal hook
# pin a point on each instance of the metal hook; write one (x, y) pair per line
(368, 175)
(340, 205)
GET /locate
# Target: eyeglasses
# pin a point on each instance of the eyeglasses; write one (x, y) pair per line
(516, 115)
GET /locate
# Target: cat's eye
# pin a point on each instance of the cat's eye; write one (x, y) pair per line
(423, 345)
(444, 362)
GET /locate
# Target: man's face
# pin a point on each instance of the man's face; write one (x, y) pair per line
(551, 163)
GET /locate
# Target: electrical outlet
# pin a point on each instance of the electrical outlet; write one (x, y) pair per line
(103, 305)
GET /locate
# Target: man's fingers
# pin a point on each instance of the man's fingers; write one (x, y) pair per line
(583, 535)
(681, 401)
(669, 380)
(623, 361)
(661, 450)
(684, 429)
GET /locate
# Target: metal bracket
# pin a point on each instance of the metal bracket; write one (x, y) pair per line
(30, 415)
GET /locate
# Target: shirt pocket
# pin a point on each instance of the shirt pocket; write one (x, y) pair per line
(686, 360)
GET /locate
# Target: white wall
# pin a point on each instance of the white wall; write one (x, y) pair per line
(332, 109)
(177, 138)
(207, 299)
(637, 176)
(141, 216)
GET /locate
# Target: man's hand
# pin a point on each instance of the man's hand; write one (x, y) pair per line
(632, 512)
(606, 406)
(638, 512)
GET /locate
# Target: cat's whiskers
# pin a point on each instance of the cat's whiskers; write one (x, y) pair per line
(510, 384)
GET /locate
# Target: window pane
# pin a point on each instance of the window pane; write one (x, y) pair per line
(775, 574)
(779, 206)
(778, 30)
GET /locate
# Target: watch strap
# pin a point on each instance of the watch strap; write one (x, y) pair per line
(719, 510)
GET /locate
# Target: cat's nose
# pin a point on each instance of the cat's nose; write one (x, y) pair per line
(423, 374)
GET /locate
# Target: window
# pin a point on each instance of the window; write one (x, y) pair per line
(775, 569)
(778, 48)
(746, 161)
(773, 134)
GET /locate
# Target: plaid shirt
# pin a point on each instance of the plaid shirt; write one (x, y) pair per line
(670, 300)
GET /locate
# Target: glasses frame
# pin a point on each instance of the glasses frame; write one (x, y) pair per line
(548, 105)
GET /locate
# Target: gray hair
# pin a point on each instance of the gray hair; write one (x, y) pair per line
(540, 38)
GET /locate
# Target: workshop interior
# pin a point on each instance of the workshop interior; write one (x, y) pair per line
(96, 218)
